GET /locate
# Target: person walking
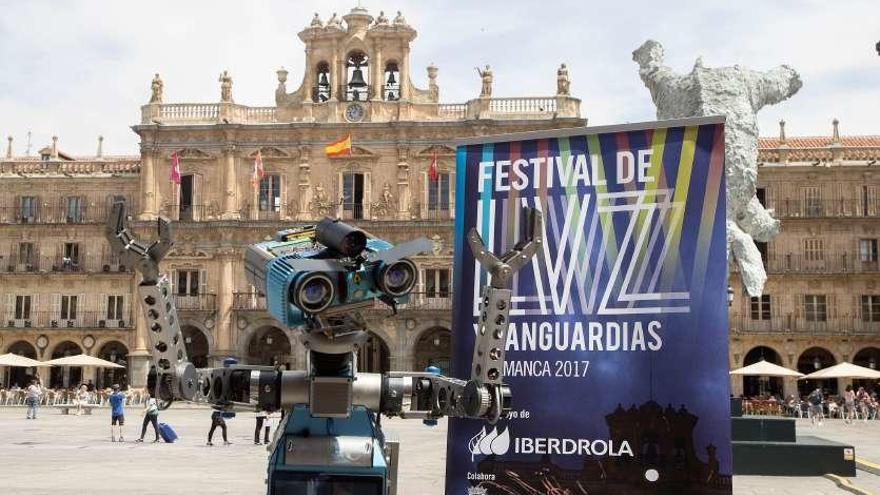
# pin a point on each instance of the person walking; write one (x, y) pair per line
(217, 420)
(816, 412)
(849, 401)
(260, 416)
(151, 415)
(117, 413)
(32, 398)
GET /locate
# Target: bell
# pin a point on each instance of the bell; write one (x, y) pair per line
(357, 79)
(322, 79)
(391, 79)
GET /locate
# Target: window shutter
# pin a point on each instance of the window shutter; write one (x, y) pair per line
(800, 301)
(81, 307)
(13, 256)
(339, 193)
(426, 183)
(126, 312)
(368, 195)
(451, 196)
(56, 307)
(832, 306)
(102, 307)
(203, 281)
(10, 306)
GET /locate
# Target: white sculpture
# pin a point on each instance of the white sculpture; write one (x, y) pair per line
(737, 93)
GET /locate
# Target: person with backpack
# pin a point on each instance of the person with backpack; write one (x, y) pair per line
(151, 415)
(815, 399)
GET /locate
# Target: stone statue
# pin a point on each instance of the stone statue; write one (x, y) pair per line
(738, 93)
(225, 87)
(381, 20)
(433, 88)
(281, 90)
(321, 205)
(563, 82)
(334, 21)
(399, 20)
(486, 75)
(157, 87)
(316, 22)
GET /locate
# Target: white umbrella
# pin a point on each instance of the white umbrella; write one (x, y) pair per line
(83, 360)
(20, 361)
(844, 370)
(764, 368)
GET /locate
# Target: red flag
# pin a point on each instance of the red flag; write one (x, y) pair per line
(432, 170)
(175, 168)
(259, 171)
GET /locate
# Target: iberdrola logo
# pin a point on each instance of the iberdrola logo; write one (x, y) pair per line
(489, 443)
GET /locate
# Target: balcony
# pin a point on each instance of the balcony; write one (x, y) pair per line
(826, 208)
(419, 301)
(54, 215)
(189, 213)
(433, 212)
(198, 302)
(62, 264)
(248, 301)
(268, 215)
(846, 263)
(789, 323)
(81, 319)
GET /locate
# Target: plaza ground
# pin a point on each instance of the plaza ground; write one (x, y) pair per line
(59, 454)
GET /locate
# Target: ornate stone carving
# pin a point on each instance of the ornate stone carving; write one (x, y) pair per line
(563, 82)
(737, 93)
(433, 88)
(157, 87)
(281, 90)
(381, 20)
(334, 22)
(486, 76)
(437, 244)
(225, 87)
(386, 206)
(321, 204)
(316, 21)
(400, 20)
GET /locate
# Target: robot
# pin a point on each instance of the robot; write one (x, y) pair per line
(318, 278)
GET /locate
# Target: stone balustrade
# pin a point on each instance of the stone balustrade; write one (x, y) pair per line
(522, 108)
(112, 166)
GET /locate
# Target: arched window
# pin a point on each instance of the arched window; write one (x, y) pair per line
(391, 82)
(357, 77)
(322, 91)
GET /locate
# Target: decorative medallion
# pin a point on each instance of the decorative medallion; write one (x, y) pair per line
(42, 341)
(88, 341)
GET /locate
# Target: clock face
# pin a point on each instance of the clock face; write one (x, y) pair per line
(354, 113)
(42, 341)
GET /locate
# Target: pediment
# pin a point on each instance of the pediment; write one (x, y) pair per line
(440, 149)
(271, 152)
(358, 152)
(193, 154)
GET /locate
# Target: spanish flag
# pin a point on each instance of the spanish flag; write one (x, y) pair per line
(339, 148)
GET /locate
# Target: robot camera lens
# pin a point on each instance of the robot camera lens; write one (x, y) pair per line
(397, 278)
(313, 293)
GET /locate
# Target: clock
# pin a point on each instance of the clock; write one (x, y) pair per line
(354, 112)
(88, 341)
(42, 341)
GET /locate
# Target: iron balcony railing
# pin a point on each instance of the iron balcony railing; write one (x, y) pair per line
(65, 264)
(196, 302)
(825, 263)
(791, 323)
(822, 208)
(189, 213)
(248, 301)
(76, 319)
(43, 214)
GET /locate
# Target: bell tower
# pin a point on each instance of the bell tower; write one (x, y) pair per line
(357, 69)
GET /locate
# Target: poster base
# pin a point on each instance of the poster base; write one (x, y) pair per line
(808, 456)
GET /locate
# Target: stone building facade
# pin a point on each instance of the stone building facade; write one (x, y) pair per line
(821, 304)
(64, 293)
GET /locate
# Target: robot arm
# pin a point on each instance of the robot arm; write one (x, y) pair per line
(484, 395)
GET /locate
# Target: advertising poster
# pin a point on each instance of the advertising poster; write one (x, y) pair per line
(617, 344)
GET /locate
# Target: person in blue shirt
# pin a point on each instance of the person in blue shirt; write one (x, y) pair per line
(117, 413)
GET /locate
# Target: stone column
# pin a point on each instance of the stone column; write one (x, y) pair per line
(304, 185)
(789, 387)
(403, 68)
(148, 185)
(139, 357)
(736, 385)
(230, 210)
(404, 195)
(224, 344)
(378, 80)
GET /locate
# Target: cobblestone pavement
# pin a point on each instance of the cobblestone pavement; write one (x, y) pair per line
(59, 454)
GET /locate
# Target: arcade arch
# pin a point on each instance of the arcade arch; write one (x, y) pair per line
(762, 385)
(433, 348)
(196, 344)
(812, 360)
(65, 376)
(20, 376)
(268, 346)
(374, 356)
(115, 352)
(869, 357)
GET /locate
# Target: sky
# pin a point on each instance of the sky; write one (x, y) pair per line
(82, 69)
